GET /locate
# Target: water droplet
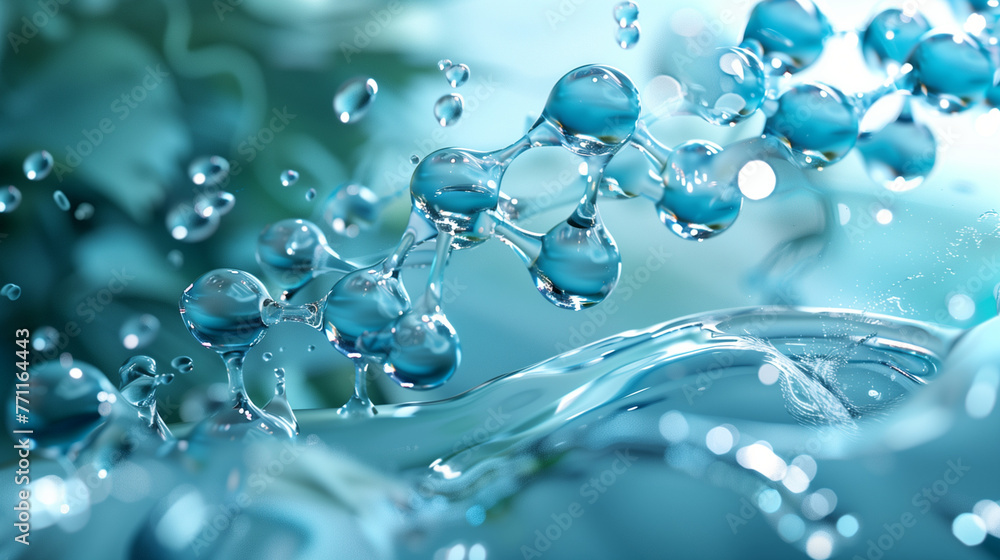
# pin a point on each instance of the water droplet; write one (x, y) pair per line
(267, 356)
(363, 301)
(61, 201)
(594, 109)
(817, 122)
(219, 204)
(139, 331)
(66, 399)
(354, 98)
(891, 36)
(10, 199)
(577, 266)
(423, 351)
(84, 211)
(789, 34)
(222, 310)
(900, 155)
(292, 252)
(444, 64)
(38, 165)
(350, 209)
(628, 36)
(696, 204)
(45, 339)
(953, 72)
(185, 224)
(137, 380)
(414, 160)
(448, 109)
(456, 74)
(310, 348)
(183, 364)
(625, 13)
(208, 170)
(10, 291)
(310, 194)
(289, 177)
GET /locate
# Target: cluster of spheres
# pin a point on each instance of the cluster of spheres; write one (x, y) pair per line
(593, 112)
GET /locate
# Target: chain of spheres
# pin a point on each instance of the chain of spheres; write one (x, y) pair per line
(594, 111)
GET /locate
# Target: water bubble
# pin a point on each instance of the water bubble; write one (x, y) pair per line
(952, 72)
(208, 170)
(424, 351)
(350, 209)
(414, 160)
(61, 201)
(38, 165)
(185, 224)
(45, 339)
(84, 211)
(267, 356)
(625, 13)
(289, 177)
(10, 199)
(363, 301)
(628, 36)
(354, 98)
(696, 204)
(138, 380)
(789, 34)
(452, 187)
(594, 109)
(456, 74)
(222, 310)
(891, 36)
(724, 87)
(310, 194)
(310, 348)
(444, 64)
(448, 109)
(66, 401)
(183, 364)
(577, 267)
(901, 154)
(817, 122)
(139, 331)
(292, 252)
(219, 203)
(10, 291)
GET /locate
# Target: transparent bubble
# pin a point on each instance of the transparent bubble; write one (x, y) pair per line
(310, 194)
(219, 203)
(10, 291)
(952, 72)
(138, 380)
(10, 199)
(891, 36)
(444, 64)
(456, 74)
(38, 165)
(139, 331)
(900, 155)
(577, 267)
(363, 301)
(628, 36)
(222, 310)
(183, 364)
(84, 211)
(291, 251)
(267, 356)
(448, 109)
(625, 13)
(788, 34)
(414, 160)
(724, 87)
(423, 351)
(289, 177)
(61, 201)
(208, 170)
(594, 109)
(45, 339)
(817, 122)
(351, 209)
(696, 203)
(354, 98)
(185, 224)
